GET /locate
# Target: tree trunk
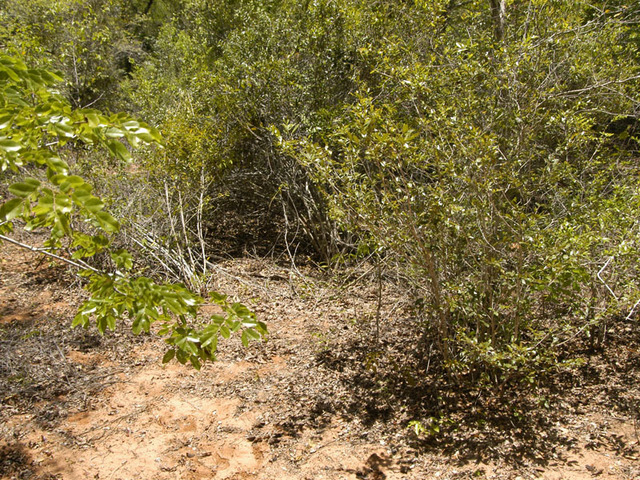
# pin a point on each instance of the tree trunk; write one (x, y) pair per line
(148, 9)
(498, 13)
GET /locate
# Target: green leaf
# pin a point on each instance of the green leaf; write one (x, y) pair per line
(101, 323)
(10, 146)
(190, 347)
(252, 334)
(225, 332)
(107, 222)
(240, 310)
(11, 73)
(261, 327)
(50, 77)
(119, 150)
(71, 181)
(82, 194)
(57, 165)
(145, 137)
(218, 298)
(168, 356)
(79, 319)
(136, 327)
(63, 203)
(182, 356)
(113, 132)
(122, 259)
(62, 221)
(93, 204)
(93, 120)
(195, 362)
(25, 188)
(11, 209)
(209, 339)
(174, 305)
(5, 121)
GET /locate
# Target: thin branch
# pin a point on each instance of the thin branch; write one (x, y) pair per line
(94, 101)
(602, 280)
(80, 265)
(632, 310)
(597, 85)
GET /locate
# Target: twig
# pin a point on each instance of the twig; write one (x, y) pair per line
(80, 265)
(632, 310)
(166, 258)
(605, 283)
(94, 101)
(199, 224)
(112, 422)
(192, 277)
(121, 465)
(379, 299)
(601, 85)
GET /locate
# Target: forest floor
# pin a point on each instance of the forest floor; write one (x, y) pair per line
(321, 399)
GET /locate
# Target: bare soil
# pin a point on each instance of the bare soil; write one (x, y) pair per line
(321, 399)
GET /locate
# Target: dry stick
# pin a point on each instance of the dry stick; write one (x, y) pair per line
(155, 250)
(379, 304)
(294, 267)
(286, 242)
(64, 359)
(80, 265)
(632, 310)
(192, 279)
(600, 85)
(178, 262)
(121, 465)
(172, 225)
(436, 290)
(602, 280)
(199, 224)
(94, 101)
(153, 254)
(75, 72)
(108, 424)
(152, 246)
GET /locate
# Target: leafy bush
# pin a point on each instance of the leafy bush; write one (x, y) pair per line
(38, 129)
(483, 167)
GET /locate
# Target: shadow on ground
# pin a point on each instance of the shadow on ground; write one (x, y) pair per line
(16, 463)
(387, 384)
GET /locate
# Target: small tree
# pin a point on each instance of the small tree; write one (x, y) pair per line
(38, 131)
(490, 173)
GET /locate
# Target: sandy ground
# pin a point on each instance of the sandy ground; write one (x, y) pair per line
(77, 406)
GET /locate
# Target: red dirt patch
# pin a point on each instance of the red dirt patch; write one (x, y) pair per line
(305, 405)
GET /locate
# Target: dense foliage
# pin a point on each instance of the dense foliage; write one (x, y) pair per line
(485, 152)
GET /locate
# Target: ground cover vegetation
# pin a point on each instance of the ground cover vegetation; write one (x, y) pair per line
(483, 154)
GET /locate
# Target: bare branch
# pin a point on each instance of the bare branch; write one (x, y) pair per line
(80, 265)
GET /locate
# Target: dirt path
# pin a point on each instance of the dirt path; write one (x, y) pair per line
(78, 406)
